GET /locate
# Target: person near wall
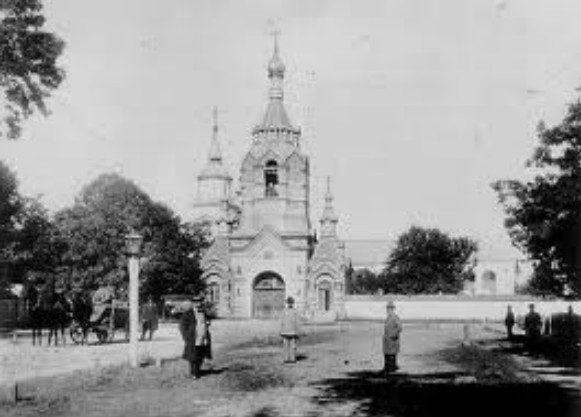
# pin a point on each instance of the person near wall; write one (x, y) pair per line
(391, 333)
(289, 331)
(533, 325)
(509, 321)
(149, 319)
(190, 334)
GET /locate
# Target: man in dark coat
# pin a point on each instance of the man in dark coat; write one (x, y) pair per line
(194, 330)
(149, 319)
(188, 331)
(509, 322)
(391, 332)
(533, 325)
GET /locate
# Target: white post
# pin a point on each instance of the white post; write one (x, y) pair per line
(133, 308)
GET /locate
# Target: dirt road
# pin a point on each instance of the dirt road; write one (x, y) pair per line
(337, 375)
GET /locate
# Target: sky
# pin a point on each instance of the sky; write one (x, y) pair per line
(412, 107)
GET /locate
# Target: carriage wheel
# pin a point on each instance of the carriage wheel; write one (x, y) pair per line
(102, 335)
(76, 333)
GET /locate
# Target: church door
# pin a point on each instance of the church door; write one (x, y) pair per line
(325, 296)
(268, 296)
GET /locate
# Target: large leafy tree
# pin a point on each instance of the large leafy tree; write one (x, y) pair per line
(28, 63)
(429, 261)
(544, 214)
(26, 234)
(94, 230)
(10, 207)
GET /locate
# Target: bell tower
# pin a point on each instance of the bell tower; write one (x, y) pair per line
(274, 176)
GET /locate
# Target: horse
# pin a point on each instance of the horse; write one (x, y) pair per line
(58, 317)
(82, 309)
(38, 305)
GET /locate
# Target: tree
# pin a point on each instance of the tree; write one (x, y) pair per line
(26, 245)
(364, 281)
(429, 261)
(28, 68)
(544, 214)
(10, 206)
(94, 230)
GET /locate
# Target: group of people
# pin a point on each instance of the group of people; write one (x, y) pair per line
(533, 324)
(195, 331)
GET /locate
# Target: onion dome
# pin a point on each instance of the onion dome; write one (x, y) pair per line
(276, 67)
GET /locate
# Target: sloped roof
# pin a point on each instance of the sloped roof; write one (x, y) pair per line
(327, 250)
(368, 253)
(275, 117)
(219, 252)
(373, 253)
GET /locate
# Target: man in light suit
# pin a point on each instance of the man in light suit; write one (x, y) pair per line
(289, 330)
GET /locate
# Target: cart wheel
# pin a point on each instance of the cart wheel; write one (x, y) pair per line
(102, 335)
(76, 333)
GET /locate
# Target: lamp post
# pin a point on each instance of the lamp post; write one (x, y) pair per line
(133, 243)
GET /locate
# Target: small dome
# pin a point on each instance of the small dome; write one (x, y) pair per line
(276, 67)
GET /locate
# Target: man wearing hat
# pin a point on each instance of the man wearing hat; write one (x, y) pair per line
(391, 332)
(533, 325)
(289, 330)
(193, 332)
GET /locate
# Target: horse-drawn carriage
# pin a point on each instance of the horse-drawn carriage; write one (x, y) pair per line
(114, 316)
(106, 316)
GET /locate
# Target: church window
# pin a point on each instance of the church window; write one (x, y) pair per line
(271, 178)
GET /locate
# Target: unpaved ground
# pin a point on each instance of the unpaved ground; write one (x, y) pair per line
(337, 375)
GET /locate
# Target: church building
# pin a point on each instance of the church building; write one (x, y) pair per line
(264, 247)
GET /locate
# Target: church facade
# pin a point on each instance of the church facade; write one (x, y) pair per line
(264, 247)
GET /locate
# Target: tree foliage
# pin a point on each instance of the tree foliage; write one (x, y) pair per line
(26, 246)
(94, 231)
(364, 281)
(544, 214)
(429, 261)
(28, 63)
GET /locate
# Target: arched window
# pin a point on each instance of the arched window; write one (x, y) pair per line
(271, 178)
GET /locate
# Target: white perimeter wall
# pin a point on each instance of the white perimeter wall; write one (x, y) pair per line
(450, 307)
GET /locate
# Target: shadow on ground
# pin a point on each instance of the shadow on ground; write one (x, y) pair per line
(557, 352)
(444, 394)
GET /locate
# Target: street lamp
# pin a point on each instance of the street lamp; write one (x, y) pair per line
(133, 246)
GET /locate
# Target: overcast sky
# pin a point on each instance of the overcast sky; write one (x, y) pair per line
(413, 107)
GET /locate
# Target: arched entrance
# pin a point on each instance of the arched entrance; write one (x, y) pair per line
(213, 293)
(324, 291)
(267, 295)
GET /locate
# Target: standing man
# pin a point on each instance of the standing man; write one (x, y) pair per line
(289, 330)
(509, 322)
(533, 325)
(149, 319)
(392, 330)
(189, 331)
(202, 332)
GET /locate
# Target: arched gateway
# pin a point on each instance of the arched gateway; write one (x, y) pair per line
(267, 295)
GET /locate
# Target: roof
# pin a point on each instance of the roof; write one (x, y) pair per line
(489, 252)
(368, 253)
(275, 117)
(374, 252)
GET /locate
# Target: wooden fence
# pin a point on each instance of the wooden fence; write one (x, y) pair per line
(12, 313)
